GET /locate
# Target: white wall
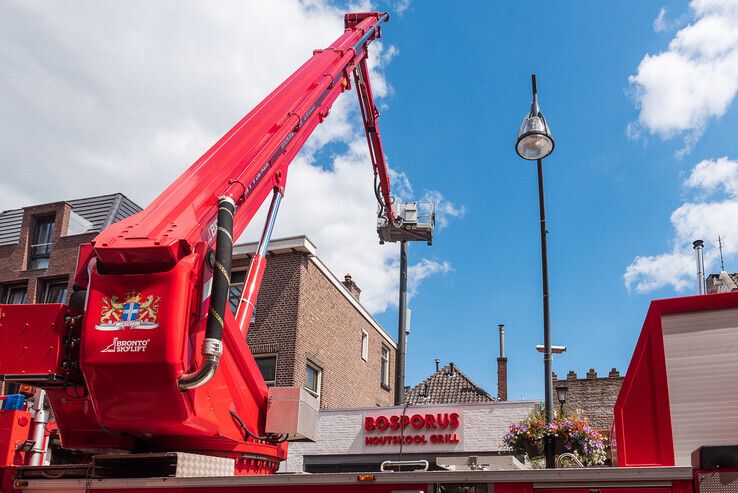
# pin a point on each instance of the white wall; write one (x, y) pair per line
(340, 431)
(701, 350)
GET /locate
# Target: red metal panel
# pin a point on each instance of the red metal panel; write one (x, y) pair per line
(642, 489)
(513, 487)
(642, 419)
(682, 486)
(15, 427)
(30, 338)
(366, 487)
(131, 368)
(78, 425)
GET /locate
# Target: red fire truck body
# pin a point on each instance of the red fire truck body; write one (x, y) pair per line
(128, 386)
(647, 429)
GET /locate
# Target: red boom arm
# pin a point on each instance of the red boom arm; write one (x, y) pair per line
(249, 161)
(127, 373)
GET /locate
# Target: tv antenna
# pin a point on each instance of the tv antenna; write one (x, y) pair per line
(720, 246)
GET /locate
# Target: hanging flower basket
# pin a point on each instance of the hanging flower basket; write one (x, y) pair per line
(536, 448)
(533, 448)
(570, 434)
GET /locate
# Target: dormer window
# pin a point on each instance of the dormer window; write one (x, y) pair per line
(40, 251)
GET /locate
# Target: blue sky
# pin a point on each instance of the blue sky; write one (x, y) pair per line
(462, 85)
(639, 96)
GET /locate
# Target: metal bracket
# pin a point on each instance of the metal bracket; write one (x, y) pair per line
(26, 446)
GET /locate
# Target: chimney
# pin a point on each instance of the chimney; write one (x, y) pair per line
(502, 367)
(699, 246)
(351, 286)
(438, 363)
(451, 369)
(614, 373)
(591, 373)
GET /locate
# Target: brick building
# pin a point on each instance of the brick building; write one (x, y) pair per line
(594, 396)
(310, 329)
(39, 244)
(723, 282)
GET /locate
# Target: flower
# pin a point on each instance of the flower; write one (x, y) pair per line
(573, 432)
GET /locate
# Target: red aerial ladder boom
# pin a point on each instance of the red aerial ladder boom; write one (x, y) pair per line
(251, 160)
(153, 359)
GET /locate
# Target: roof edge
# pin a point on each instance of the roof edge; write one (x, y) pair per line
(67, 201)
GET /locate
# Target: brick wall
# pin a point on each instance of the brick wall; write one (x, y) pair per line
(592, 395)
(304, 316)
(502, 379)
(275, 329)
(329, 335)
(63, 261)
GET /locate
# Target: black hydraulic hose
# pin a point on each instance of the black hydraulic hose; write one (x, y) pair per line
(221, 269)
(212, 347)
(378, 195)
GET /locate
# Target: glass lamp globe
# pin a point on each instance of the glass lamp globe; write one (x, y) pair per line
(534, 138)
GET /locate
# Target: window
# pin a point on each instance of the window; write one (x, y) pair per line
(234, 294)
(313, 379)
(54, 291)
(78, 225)
(364, 345)
(14, 295)
(385, 362)
(40, 251)
(268, 368)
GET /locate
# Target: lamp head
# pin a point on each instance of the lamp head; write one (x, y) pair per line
(561, 393)
(534, 137)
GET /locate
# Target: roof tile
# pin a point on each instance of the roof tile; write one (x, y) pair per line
(448, 385)
(101, 211)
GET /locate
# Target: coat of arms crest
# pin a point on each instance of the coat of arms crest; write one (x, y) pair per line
(134, 312)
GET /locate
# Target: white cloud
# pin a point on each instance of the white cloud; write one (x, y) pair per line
(401, 6)
(423, 269)
(712, 212)
(653, 272)
(710, 175)
(99, 98)
(94, 92)
(445, 210)
(663, 23)
(680, 90)
(660, 23)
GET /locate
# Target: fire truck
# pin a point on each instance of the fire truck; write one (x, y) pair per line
(153, 387)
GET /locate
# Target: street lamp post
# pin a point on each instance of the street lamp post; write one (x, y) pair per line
(535, 143)
(561, 392)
